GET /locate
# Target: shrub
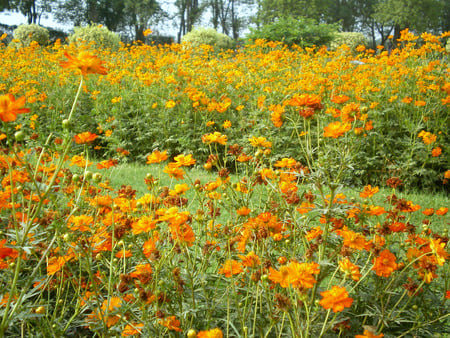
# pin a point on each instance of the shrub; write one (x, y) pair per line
(25, 34)
(351, 39)
(55, 34)
(208, 36)
(99, 35)
(304, 32)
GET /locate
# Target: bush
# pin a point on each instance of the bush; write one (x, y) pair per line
(351, 39)
(99, 35)
(160, 39)
(25, 34)
(208, 36)
(303, 32)
(55, 34)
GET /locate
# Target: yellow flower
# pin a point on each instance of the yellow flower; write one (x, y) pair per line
(260, 142)
(170, 104)
(85, 62)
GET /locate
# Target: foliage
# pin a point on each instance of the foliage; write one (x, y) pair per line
(417, 15)
(97, 34)
(303, 32)
(277, 249)
(207, 36)
(167, 97)
(351, 39)
(25, 34)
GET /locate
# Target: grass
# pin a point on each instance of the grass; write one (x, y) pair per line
(133, 174)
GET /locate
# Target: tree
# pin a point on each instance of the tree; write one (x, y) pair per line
(138, 14)
(4, 5)
(108, 13)
(271, 10)
(225, 15)
(417, 15)
(189, 12)
(32, 9)
(116, 15)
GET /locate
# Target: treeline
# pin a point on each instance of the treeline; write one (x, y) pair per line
(377, 19)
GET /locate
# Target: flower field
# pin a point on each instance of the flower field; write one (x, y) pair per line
(267, 243)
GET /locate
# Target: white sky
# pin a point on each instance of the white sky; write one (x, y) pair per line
(14, 18)
(164, 28)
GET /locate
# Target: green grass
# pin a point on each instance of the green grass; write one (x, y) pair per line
(133, 174)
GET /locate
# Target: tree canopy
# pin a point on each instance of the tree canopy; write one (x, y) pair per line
(375, 18)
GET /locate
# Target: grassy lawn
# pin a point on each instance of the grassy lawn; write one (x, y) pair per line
(134, 174)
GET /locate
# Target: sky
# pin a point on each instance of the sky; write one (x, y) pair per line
(14, 18)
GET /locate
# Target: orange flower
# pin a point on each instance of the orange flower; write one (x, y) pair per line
(214, 333)
(277, 114)
(10, 107)
(81, 223)
(231, 267)
(349, 269)
(114, 304)
(428, 212)
(340, 98)
(286, 163)
(106, 164)
(441, 211)
(376, 210)
(337, 299)
(184, 161)
(132, 329)
(260, 142)
(352, 239)
(436, 152)
(281, 277)
(296, 274)
(336, 129)
(385, 264)
(170, 104)
(438, 249)
(368, 191)
(369, 334)
(226, 124)
(447, 174)
(215, 137)
(86, 137)
(243, 211)
(79, 161)
(250, 260)
(6, 252)
(427, 137)
(397, 226)
(306, 100)
(157, 157)
(174, 171)
(56, 263)
(86, 62)
(171, 323)
(314, 233)
(301, 274)
(148, 31)
(144, 224)
(305, 207)
(149, 247)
